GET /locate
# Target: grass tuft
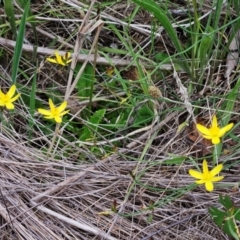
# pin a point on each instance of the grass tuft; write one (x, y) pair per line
(137, 77)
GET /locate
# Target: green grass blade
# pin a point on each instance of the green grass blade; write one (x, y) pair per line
(229, 103)
(19, 43)
(228, 106)
(152, 7)
(91, 128)
(8, 6)
(23, 3)
(217, 14)
(32, 104)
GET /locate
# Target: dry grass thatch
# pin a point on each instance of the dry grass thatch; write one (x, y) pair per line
(48, 199)
(56, 196)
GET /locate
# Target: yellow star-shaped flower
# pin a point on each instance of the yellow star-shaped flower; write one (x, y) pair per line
(61, 60)
(55, 113)
(207, 177)
(6, 100)
(214, 132)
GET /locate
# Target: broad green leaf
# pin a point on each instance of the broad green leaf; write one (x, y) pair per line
(85, 81)
(230, 228)
(226, 202)
(92, 126)
(217, 216)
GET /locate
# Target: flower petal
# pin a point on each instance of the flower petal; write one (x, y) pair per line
(11, 91)
(59, 59)
(209, 186)
(225, 129)
(67, 56)
(203, 130)
(205, 167)
(207, 137)
(44, 112)
(52, 60)
(52, 106)
(195, 174)
(216, 179)
(62, 106)
(200, 181)
(215, 140)
(63, 113)
(15, 98)
(9, 105)
(216, 170)
(214, 122)
(49, 117)
(58, 119)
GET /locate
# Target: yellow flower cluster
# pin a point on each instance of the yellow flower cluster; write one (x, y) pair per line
(55, 113)
(7, 100)
(61, 60)
(214, 133)
(207, 177)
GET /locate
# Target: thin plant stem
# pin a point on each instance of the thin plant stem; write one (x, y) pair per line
(215, 156)
(53, 139)
(1, 118)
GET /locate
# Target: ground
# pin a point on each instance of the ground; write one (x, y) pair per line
(138, 79)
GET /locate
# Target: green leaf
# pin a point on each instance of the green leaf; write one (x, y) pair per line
(205, 44)
(150, 218)
(19, 43)
(23, 3)
(143, 116)
(33, 93)
(9, 10)
(85, 81)
(228, 105)
(226, 202)
(92, 126)
(160, 57)
(226, 220)
(176, 160)
(237, 213)
(152, 7)
(217, 216)
(32, 104)
(230, 228)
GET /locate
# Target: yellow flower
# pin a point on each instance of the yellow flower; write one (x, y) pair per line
(8, 99)
(207, 177)
(55, 113)
(214, 132)
(62, 60)
(110, 70)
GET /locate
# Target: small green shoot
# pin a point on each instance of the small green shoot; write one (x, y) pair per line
(227, 219)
